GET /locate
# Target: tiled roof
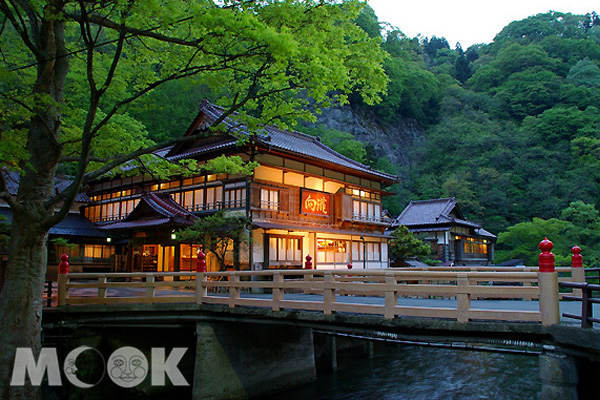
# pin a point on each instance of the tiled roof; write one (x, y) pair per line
(72, 225)
(60, 184)
(427, 212)
(301, 144)
(483, 232)
(436, 215)
(154, 209)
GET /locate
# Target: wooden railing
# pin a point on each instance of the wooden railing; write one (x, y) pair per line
(121, 288)
(374, 292)
(564, 273)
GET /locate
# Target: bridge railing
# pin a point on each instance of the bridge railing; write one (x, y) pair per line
(122, 288)
(375, 292)
(565, 274)
(341, 291)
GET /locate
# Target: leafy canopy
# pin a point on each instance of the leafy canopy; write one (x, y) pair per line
(257, 58)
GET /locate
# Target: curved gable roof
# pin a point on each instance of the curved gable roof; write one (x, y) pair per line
(269, 136)
(154, 209)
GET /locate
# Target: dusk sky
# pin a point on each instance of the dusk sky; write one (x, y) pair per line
(467, 21)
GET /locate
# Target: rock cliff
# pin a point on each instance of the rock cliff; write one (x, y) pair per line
(397, 141)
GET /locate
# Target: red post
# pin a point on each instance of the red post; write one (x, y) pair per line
(308, 263)
(548, 285)
(201, 262)
(576, 258)
(63, 266)
(546, 257)
(349, 265)
(577, 271)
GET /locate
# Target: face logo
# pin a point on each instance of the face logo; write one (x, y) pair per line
(127, 367)
(71, 370)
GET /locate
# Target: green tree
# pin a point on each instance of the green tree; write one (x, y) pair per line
(218, 234)
(521, 241)
(70, 70)
(403, 245)
(585, 73)
(529, 92)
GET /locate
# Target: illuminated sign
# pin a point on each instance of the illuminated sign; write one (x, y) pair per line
(315, 203)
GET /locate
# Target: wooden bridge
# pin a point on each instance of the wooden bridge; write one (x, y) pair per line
(512, 309)
(327, 291)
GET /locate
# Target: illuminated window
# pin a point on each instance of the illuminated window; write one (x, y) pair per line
(235, 198)
(269, 199)
(268, 174)
(313, 183)
(285, 248)
(97, 252)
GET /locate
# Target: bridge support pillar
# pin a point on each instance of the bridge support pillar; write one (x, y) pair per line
(558, 373)
(241, 360)
(331, 352)
(369, 348)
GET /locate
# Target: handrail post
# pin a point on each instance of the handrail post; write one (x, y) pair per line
(150, 286)
(328, 293)
(463, 298)
(201, 290)
(577, 270)
(391, 296)
(277, 290)
(234, 290)
(62, 289)
(548, 284)
(102, 289)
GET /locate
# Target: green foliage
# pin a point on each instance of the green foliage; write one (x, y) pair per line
(585, 73)
(521, 241)
(342, 142)
(579, 224)
(367, 21)
(253, 57)
(217, 233)
(404, 245)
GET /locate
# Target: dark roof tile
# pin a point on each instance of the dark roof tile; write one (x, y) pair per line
(270, 136)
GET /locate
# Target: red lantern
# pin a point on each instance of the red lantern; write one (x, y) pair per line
(201, 262)
(63, 266)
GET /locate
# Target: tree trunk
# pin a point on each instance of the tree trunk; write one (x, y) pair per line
(21, 303)
(21, 296)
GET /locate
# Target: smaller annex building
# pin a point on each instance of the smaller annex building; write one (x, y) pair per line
(454, 239)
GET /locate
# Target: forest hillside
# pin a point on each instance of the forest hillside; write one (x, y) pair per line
(511, 128)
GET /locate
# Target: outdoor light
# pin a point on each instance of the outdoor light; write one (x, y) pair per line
(173, 236)
(108, 240)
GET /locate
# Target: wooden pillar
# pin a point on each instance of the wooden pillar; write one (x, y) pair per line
(548, 284)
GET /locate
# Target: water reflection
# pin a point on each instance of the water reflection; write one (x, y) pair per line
(424, 373)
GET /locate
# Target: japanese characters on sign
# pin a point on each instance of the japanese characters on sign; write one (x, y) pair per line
(315, 203)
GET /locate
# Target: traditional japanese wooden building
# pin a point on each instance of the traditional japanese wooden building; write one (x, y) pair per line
(454, 239)
(304, 199)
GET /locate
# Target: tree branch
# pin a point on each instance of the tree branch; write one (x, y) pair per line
(150, 32)
(19, 24)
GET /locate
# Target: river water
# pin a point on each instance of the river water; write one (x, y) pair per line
(424, 373)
